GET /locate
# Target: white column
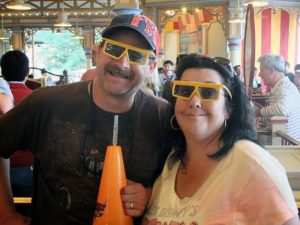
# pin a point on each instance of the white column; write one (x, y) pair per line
(235, 36)
(234, 45)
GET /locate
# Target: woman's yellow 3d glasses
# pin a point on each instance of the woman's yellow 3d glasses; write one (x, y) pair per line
(206, 91)
(134, 55)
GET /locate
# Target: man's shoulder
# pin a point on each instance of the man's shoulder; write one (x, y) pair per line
(89, 74)
(61, 92)
(148, 98)
(151, 104)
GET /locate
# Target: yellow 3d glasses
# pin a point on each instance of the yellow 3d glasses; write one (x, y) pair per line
(134, 55)
(206, 91)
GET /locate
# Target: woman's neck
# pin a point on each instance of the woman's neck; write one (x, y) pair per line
(199, 149)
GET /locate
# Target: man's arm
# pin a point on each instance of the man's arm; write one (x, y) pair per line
(5, 103)
(8, 213)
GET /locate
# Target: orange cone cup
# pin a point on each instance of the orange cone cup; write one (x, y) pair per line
(109, 209)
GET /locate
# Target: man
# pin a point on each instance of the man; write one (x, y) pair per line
(15, 68)
(284, 97)
(169, 75)
(91, 73)
(69, 127)
(297, 76)
(238, 72)
(287, 71)
(168, 71)
(6, 97)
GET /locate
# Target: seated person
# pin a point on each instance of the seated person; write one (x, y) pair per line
(6, 97)
(287, 71)
(91, 73)
(238, 72)
(216, 173)
(297, 76)
(15, 68)
(284, 98)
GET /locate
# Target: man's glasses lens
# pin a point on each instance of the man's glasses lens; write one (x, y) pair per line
(114, 50)
(134, 55)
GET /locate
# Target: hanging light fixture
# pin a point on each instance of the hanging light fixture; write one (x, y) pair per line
(58, 31)
(63, 19)
(3, 32)
(78, 34)
(77, 31)
(237, 16)
(256, 3)
(17, 5)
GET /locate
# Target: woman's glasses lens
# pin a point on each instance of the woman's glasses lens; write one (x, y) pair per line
(208, 93)
(184, 91)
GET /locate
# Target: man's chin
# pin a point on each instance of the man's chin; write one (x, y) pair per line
(121, 92)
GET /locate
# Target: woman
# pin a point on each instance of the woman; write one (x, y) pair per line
(216, 173)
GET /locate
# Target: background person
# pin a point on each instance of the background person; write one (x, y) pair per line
(6, 97)
(238, 72)
(91, 73)
(15, 68)
(287, 71)
(216, 173)
(284, 98)
(69, 127)
(168, 71)
(297, 76)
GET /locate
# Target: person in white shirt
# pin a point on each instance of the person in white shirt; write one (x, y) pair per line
(284, 98)
(6, 97)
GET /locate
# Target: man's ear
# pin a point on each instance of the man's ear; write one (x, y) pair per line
(273, 70)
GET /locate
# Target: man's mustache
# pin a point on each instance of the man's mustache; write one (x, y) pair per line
(116, 71)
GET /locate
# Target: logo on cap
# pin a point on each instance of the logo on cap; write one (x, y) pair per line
(146, 25)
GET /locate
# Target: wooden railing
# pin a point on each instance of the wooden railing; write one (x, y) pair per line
(286, 139)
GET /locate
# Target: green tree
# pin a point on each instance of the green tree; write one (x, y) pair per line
(59, 52)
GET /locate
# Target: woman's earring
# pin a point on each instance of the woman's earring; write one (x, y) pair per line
(225, 123)
(172, 121)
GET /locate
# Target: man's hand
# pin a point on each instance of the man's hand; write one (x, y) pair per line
(135, 198)
(14, 218)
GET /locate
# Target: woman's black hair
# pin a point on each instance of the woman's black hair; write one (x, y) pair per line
(239, 125)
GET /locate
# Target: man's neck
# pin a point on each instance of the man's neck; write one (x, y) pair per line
(278, 76)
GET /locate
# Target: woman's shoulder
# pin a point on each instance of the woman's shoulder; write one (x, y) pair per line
(249, 150)
(253, 157)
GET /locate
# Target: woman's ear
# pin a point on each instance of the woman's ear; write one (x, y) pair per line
(227, 113)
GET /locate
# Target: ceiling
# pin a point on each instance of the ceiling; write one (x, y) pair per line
(93, 13)
(44, 13)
